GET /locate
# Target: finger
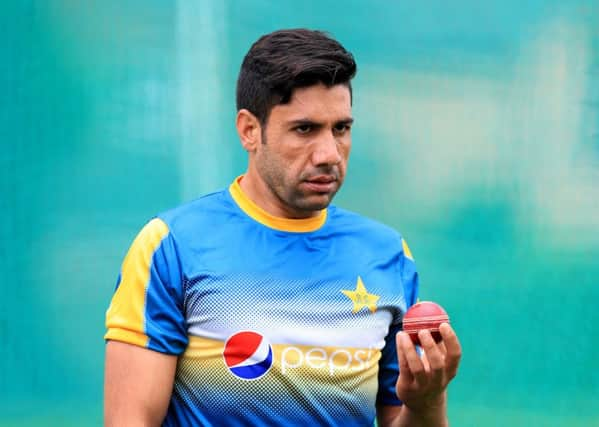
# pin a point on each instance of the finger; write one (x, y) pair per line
(405, 375)
(442, 348)
(435, 359)
(454, 349)
(413, 360)
(425, 362)
(431, 349)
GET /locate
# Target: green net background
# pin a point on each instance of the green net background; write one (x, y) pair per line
(476, 136)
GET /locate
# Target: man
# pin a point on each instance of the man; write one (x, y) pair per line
(262, 304)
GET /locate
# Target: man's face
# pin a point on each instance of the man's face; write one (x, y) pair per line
(305, 147)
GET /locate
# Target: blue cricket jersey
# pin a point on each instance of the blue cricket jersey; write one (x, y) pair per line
(275, 321)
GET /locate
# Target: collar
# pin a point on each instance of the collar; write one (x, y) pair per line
(304, 225)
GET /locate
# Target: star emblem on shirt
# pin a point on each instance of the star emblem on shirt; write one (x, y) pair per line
(361, 298)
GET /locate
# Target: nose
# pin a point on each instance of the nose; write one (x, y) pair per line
(326, 152)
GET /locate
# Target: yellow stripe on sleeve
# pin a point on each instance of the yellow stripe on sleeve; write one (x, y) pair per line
(406, 250)
(125, 318)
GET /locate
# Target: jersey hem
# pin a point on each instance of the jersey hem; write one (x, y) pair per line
(127, 336)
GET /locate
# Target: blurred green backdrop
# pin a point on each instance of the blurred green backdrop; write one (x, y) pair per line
(477, 136)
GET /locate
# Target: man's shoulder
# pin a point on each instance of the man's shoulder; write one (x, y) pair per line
(357, 224)
(201, 212)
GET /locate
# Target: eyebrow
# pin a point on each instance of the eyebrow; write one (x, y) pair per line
(306, 121)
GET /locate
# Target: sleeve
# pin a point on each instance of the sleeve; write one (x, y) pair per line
(147, 306)
(389, 365)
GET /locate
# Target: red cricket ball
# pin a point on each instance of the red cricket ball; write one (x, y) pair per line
(424, 315)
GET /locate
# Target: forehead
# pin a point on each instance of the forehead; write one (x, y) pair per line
(318, 103)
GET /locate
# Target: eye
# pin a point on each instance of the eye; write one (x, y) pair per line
(341, 128)
(303, 129)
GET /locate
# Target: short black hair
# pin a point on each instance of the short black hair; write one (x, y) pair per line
(284, 60)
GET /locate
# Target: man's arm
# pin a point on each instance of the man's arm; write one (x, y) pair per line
(423, 381)
(138, 384)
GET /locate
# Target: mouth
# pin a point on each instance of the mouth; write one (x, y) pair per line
(322, 183)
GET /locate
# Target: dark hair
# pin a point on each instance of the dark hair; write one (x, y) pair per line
(279, 62)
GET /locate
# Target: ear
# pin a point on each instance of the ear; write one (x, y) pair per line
(248, 129)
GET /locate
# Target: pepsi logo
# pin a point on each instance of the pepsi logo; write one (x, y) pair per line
(248, 355)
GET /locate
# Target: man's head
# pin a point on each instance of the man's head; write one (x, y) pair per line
(294, 119)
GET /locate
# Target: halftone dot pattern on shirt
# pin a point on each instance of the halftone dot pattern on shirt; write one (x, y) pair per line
(324, 354)
(299, 311)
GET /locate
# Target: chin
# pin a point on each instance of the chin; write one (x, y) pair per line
(317, 203)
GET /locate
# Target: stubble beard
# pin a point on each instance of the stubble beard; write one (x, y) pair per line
(299, 203)
(291, 195)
